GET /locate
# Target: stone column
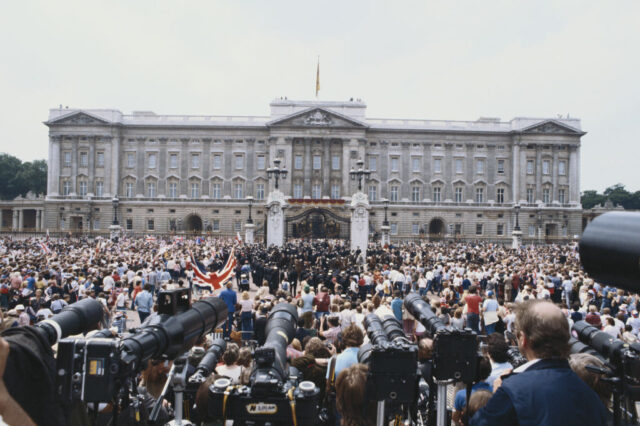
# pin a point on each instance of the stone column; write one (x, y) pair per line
(326, 166)
(53, 178)
(515, 170)
(574, 175)
(275, 219)
(140, 166)
(249, 229)
(308, 167)
(20, 218)
(38, 219)
(114, 158)
(74, 166)
(360, 223)
(538, 174)
(554, 176)
(14, 218)
(405, 171)
(516, 239)
(92, 165)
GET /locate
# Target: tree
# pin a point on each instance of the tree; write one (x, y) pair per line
(618, 195)
(591, 198)
(18, 178)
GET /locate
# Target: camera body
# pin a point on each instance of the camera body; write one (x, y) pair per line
(393, 373)
(87, 369)
(173, 302)
(455, 355)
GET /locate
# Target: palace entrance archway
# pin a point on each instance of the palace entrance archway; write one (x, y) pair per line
(193, 223)
(436, 228)
(318, 223)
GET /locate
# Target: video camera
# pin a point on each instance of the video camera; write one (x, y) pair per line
(94, 370)
(274, 395)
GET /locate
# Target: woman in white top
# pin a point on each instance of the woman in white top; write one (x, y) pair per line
(246, 316)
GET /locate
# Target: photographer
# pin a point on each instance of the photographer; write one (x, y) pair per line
(544, 390)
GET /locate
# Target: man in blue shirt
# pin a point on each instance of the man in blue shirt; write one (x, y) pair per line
(396, 305)
(352, 338)
(230, 298)
(144, 303)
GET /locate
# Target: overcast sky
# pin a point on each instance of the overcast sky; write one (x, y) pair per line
(432, 60)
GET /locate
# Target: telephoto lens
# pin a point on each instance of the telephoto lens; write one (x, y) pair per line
(174, 336)
(209, 361)
(610, 250)
(393, 328)
(77, 318)
(270, 370)
(423, 313)
(375, 330)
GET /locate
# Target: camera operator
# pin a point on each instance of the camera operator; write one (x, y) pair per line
(544, 390)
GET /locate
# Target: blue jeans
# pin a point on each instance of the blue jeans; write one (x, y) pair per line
(423, 291)
(228, 326)
(473, 321)
(247, 325)
(489, 329)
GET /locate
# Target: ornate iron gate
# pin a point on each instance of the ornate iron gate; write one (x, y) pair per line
(318, 223)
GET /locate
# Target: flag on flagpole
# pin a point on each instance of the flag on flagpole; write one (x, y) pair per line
(238, 238)
(318, 77)
(45, 248)
(213, 280)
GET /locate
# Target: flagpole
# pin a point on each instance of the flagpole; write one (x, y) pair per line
(318, 77)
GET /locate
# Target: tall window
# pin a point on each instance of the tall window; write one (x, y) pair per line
(530, 196)
(562, 168)
(239, 162)
(195, 161)
(393, 228)
(415, 194)
(84, 162)
(215, 225)
(297, 162)
(415, 164)
(173, 161)
(151, 189)
(152, 161)
(317, 162)
(131, 159)
(66, 187)
(478, 229)
(500, 167)
(216, 191)
(151, 224)
(529, 167)
(297, 191)
(173, 189)
(500, 195)
(395, 164)
(335, 191)
(437, 165)
(99, 188)
(561, 196)
(500, 229)
(129, 224)
(100, 159)
(66, 158)
(436, 194)
(316, 191)
(82, 188)
(128, 189)
(546, 195)
(415, 228)
(335, 162)
(532, 230)
(195, 190)
(260, 191)
(373, 193)
(237, 191)
(546, 167)
(217, 161)
(480, 167)
(393, 193)
(237, 225)
(458, 165)
(480, 195)
(373, 164)
(458, 194)
(260, 162)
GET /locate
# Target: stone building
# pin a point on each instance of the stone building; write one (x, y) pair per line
(191, 173)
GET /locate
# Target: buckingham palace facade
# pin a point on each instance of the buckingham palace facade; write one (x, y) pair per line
(170, 173)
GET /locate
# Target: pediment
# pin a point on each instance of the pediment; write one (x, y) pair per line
(78, 118)
(551, 127)
(317, 117)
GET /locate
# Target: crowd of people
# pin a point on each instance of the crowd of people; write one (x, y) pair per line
(532, 295)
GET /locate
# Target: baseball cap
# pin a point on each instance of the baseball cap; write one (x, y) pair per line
(20, 307)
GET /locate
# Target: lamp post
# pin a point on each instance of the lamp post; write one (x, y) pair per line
(277, 172)
(359, 173)
(250, 200)
(385, 222)
(516, 235)
(517, 209)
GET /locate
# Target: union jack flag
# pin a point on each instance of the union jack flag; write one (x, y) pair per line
(213, 280)
(45, 248)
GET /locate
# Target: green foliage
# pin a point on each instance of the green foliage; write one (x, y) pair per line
(618, 195)
(18, 178)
